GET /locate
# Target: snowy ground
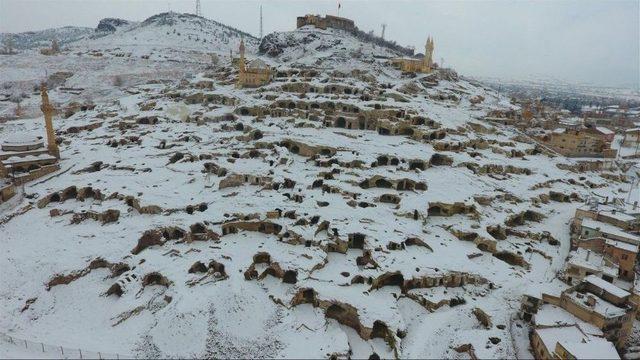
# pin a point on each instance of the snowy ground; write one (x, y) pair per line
(199, 314)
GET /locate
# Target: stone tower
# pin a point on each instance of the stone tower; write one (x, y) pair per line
(242, 69)
(241, 64)
(428, 53)
(48, 111)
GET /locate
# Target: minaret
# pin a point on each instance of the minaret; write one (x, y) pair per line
(241, 64)
(48, 111)
(428, 54)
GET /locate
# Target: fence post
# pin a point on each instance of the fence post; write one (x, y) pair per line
(99, 356)
(61, 350)
(42, 346)
(80, 351)
(25, 344)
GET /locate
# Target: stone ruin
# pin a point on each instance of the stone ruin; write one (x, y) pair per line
(444, 209)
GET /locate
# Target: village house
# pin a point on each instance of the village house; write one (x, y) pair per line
(578, 143)
(592, 228)
(607, 214)
(594, 301)
(585, 262)
(602, 304)
(631, 137)
(570, 342)
(622, 255)
(605, 133)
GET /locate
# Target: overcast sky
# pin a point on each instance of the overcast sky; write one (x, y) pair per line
(578, 41)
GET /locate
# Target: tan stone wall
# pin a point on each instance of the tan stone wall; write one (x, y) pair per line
(540, 351)
(614, 333)
(254, 77)
(575, 143)
(7, 192)
(550, 299)
(631, 138)
(625, 259)
(36, 174)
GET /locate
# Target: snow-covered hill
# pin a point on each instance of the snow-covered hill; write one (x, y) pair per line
(108, 26)
(169, 30)
(43, 38)
(345, 209)
(309, 46)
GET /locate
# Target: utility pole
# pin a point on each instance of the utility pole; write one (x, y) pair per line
(261, 22)
(198, 10)
(384, 27)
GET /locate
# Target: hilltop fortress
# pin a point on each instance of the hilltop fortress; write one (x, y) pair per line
(336, 22)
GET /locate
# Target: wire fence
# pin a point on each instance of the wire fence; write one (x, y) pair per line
(60, 351)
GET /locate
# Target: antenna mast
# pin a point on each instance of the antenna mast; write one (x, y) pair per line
(384, 27)
(198, 10)
(260, 21)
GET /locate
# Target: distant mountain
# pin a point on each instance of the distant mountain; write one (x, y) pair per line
(169, 29)
(42, 38)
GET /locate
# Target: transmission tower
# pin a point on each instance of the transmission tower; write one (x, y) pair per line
(260, 21)
(384, 27)
(198, 10)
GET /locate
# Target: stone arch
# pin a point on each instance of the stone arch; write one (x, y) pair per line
(380, 330)
(325, 151)
(69, 193)
(356, 241)
(198, 267)
(383, 183)
(155, 278)
(55, 197)
(290, 277)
